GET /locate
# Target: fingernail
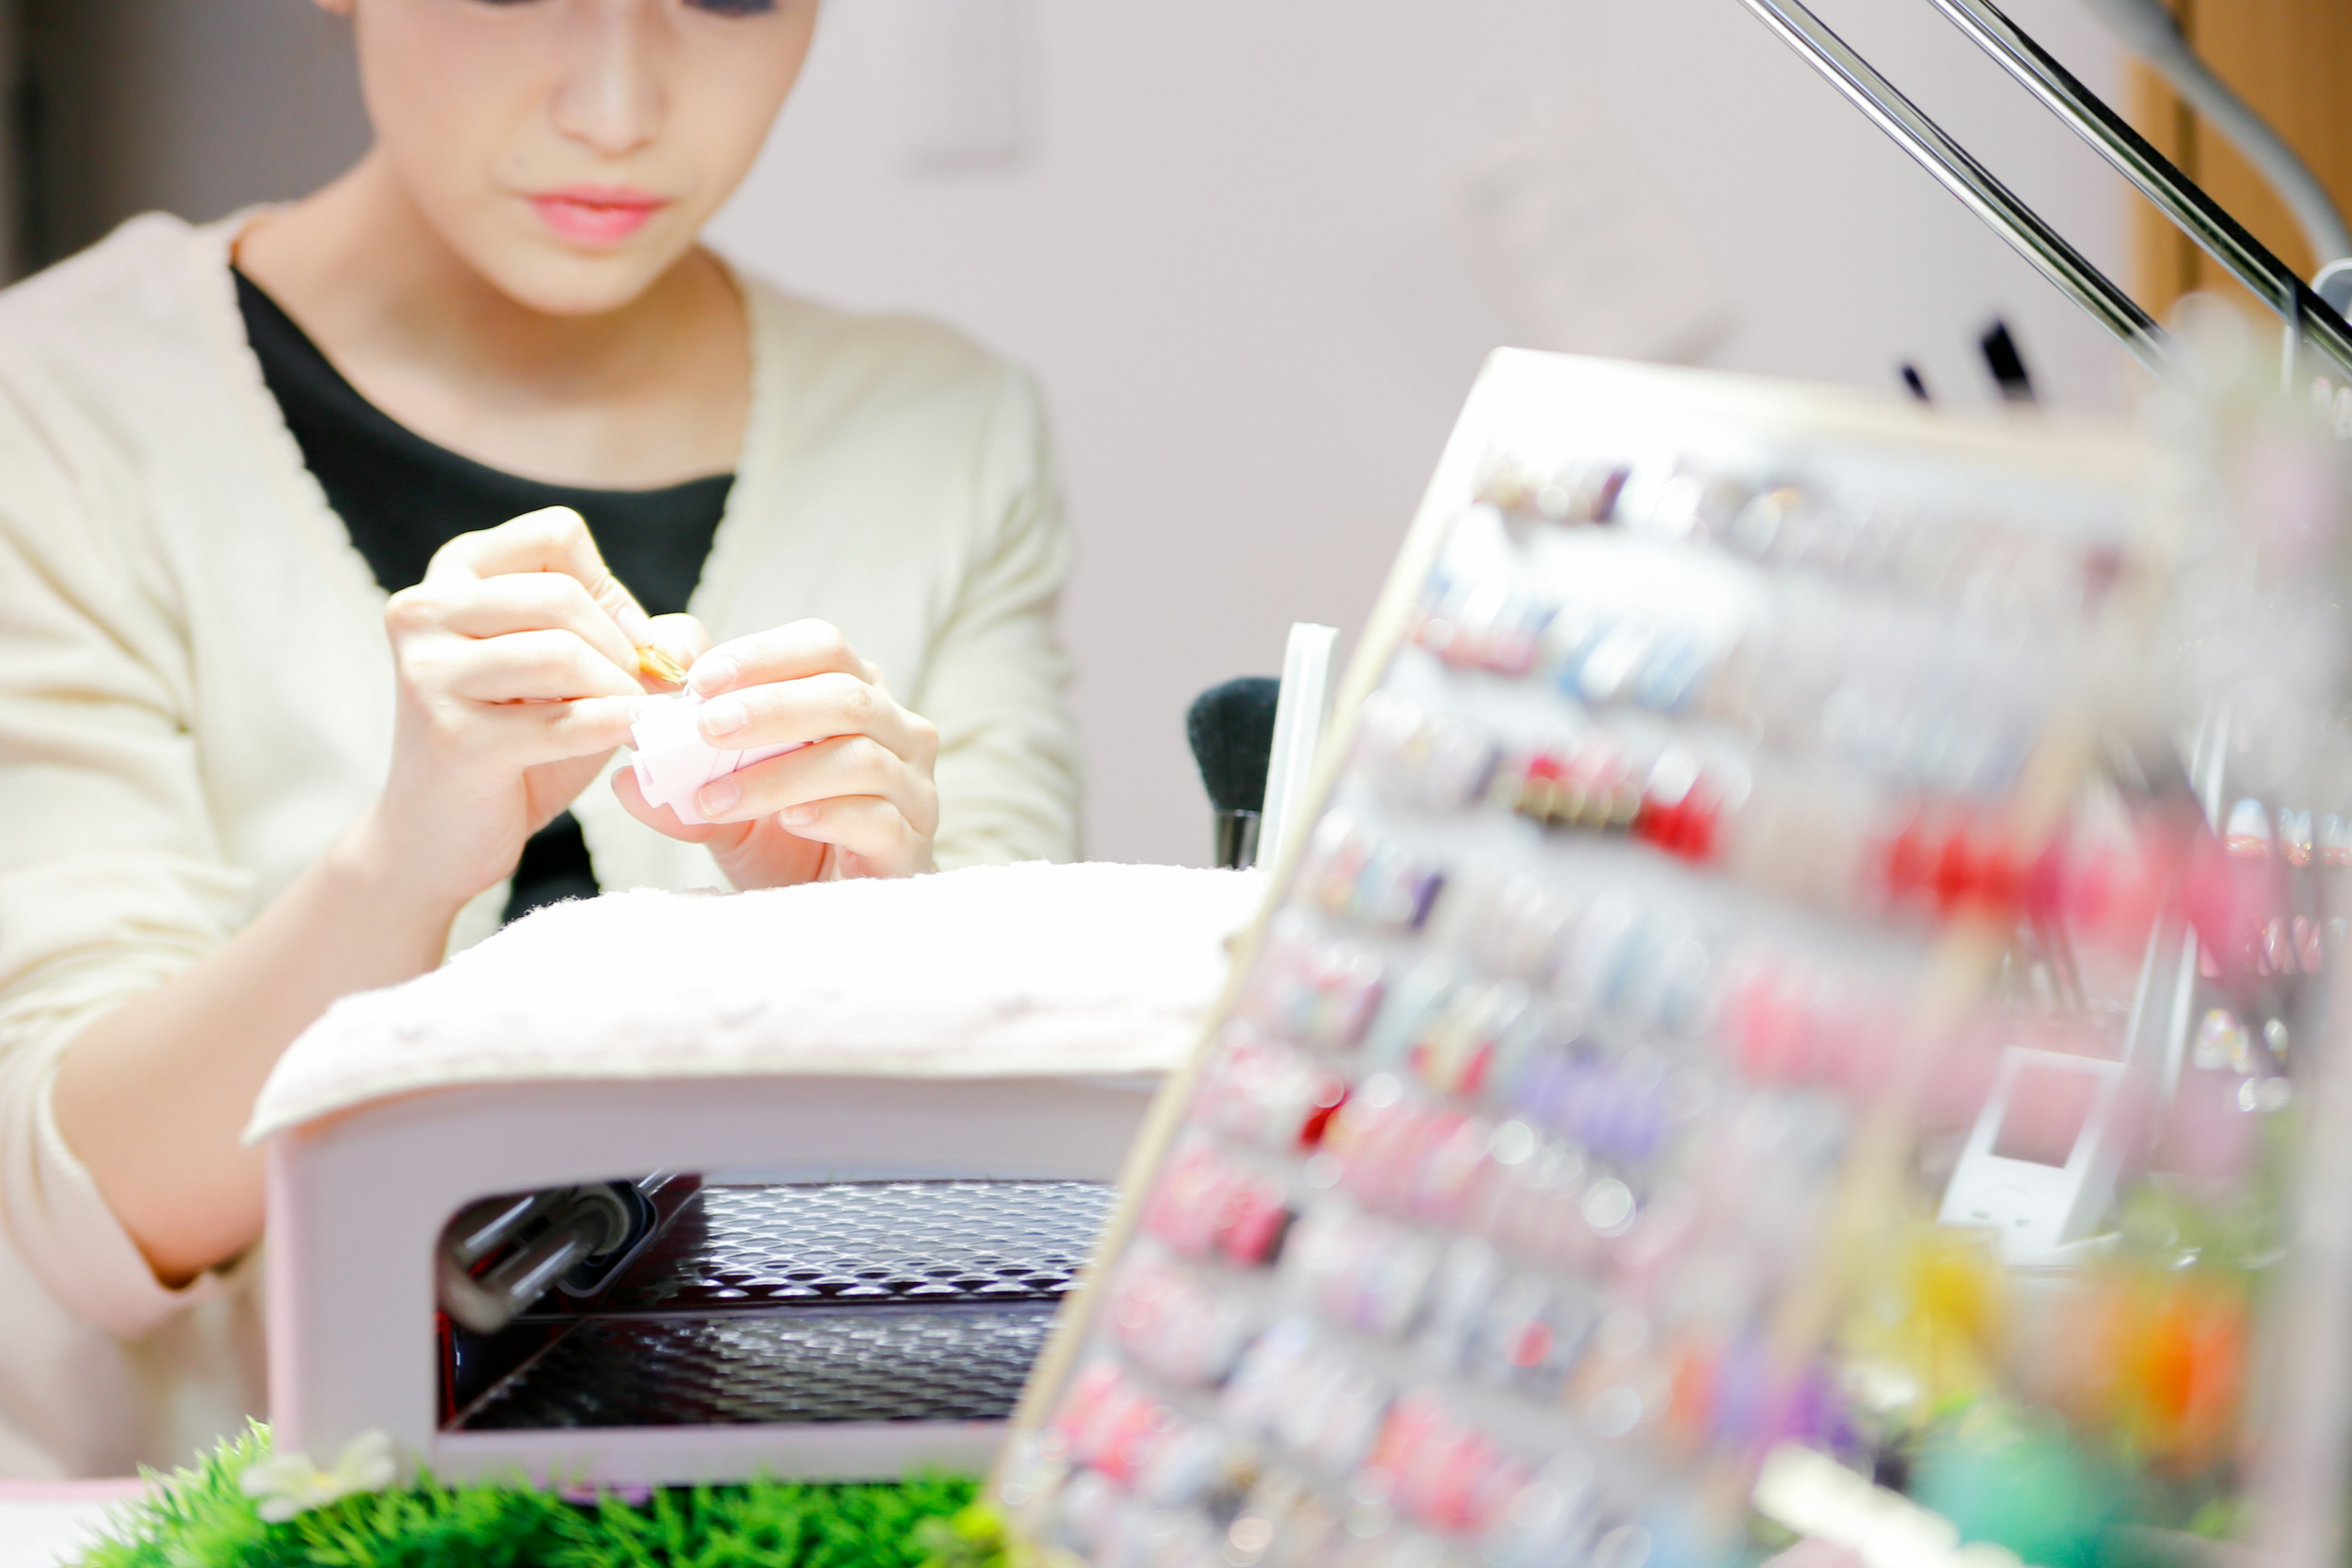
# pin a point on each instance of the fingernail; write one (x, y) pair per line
(641, 706)
(713, 672)
(718, 797)
(800, 816)
(725, 716)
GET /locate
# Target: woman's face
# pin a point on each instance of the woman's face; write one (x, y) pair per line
(570, 150)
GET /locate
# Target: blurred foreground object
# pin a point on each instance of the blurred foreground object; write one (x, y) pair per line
(1301, 712)
(1759, 818)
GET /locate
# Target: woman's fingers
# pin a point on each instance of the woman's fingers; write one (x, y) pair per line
(856, 798)
(525, 734)
(791, 652)
(579, 728)
(802, 683)
(868, 826)
(517, 663)
(845, 765)
(531, 602)
(492, 744)
(681, 637)
(661, 818)
(816, 708)
(530, 667)
(554, 539)
(542, 581)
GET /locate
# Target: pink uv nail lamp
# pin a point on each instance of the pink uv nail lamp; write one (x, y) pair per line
(658, 1188)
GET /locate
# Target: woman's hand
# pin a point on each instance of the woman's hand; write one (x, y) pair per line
(517, 658)
(855, 801)
(517, 661)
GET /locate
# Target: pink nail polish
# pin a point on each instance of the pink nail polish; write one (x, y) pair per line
(713, 672)
(725, 717)
(718, 797)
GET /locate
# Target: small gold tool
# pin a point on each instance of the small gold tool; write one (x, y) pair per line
(653, 663)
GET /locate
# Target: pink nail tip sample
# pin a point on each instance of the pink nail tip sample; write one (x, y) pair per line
(672, 761)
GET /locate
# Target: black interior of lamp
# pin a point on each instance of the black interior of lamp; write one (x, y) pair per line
(763, 1302)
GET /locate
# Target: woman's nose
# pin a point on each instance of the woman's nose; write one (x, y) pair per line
(609, 95)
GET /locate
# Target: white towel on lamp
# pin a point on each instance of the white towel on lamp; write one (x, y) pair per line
(1000, 971)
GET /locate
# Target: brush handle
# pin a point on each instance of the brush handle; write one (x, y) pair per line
(1238, 839)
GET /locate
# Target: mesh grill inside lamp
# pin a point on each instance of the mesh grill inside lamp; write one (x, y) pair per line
(854, 1301)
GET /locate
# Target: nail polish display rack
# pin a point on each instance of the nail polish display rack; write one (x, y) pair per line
(1720, 870)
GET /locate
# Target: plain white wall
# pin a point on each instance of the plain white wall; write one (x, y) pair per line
(1232, 253)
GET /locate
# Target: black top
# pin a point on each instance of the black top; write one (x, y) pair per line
(402, 497)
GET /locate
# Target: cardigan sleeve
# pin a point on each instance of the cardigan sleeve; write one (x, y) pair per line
(996, 679)
(110, 880)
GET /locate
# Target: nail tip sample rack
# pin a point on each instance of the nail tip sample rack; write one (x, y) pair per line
(1706, 826)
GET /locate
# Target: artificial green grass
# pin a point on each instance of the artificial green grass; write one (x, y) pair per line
(199, 1519)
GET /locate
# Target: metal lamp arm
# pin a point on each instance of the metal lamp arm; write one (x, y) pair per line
(2178, 197)
(1959, 173)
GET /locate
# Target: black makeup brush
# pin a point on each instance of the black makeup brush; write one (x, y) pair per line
(2007, 363)
(1232, 731)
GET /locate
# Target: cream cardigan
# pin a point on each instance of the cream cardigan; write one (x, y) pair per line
(196, 694)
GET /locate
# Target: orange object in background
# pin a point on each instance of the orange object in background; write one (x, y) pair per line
(2289, 60)
(2158, 1359)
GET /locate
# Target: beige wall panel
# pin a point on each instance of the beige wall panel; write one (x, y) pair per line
(2291, 59)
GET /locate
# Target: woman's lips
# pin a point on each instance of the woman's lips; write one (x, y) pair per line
(594, 215)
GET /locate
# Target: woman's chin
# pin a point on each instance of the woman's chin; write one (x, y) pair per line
(557, 279)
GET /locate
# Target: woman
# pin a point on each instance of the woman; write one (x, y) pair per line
(284, 706)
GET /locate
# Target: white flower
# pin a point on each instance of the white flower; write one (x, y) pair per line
(286, 1484)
